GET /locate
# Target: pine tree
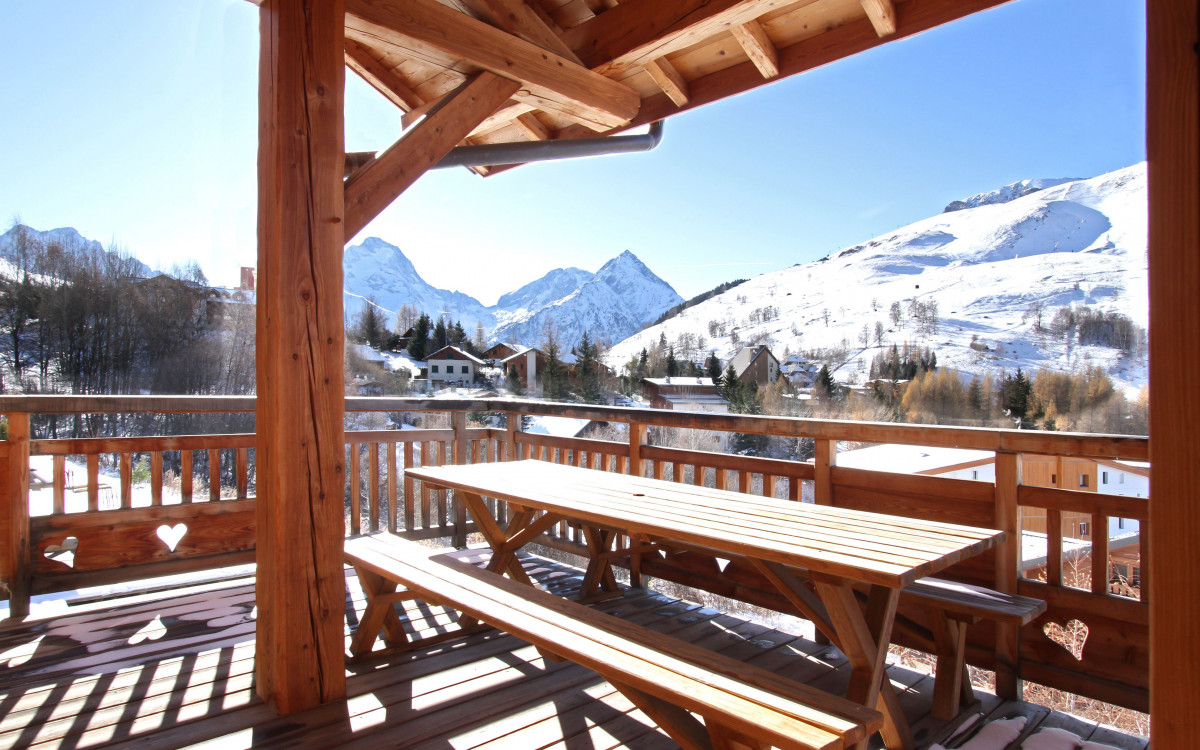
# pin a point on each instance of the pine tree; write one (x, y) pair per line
(418, 346)
(825, 388)
(515, 384)
(441, 337)
(713, 366)
(589, 370)
(672, 363)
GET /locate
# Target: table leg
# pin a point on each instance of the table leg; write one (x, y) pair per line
(599, 576)
(864, 639)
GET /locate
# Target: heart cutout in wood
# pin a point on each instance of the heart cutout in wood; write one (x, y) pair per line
(1071, 636)
(171, 535)
(64, 551)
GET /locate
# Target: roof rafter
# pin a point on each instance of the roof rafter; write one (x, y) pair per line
(373, 187)
(548, 81)
(882, 14)
(668, 79)
(758, 47)
(517, 17)
(637, 31)
(379, 77)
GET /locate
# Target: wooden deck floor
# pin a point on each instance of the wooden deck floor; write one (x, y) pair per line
(175, 669)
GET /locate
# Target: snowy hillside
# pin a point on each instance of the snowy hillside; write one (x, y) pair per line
(612, 303)
(992, 270)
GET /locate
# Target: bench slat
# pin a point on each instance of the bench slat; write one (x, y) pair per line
(975, 601)
(743, 697)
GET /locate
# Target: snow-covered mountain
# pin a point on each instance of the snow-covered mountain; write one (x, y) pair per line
(67, 238)
(378, 271)
(994, 269)
(1006, 193)
(612, 303)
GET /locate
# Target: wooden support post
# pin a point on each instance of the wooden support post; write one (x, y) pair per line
(823, 463)
(16, 546)
(1008, 561)
(1173, 148)
(300, 448)
(512, 421)
(637, 468)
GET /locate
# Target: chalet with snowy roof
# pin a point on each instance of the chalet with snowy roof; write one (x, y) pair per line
(502, 351)
(684, 394)
(799, 371)
(755, 364)
(528, 364)
(452, 365)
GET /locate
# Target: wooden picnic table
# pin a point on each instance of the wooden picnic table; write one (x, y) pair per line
(814, 555)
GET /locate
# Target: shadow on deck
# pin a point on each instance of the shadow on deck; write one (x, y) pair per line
(175, 668)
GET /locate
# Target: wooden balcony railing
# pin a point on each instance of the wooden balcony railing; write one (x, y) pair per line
(205, 519)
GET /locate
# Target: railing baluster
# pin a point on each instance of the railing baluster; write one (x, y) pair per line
(373, 485)
(769, 485)
(60, 485)
(744, 480)
(214, 474)
(1099, 553)
(393, 487)
(93, 486)
(126, 480)
(1008, 557)
(409, 511)
(823, 463)
(1143, 586)
(441, 496)
(185, 475)
(795, 488)
(242, 470)
(426, 460)
(699, 473)
(1054, 566)
(355, 490)
(156, 478)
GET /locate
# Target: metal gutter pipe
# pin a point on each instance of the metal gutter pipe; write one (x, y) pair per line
(522, 152)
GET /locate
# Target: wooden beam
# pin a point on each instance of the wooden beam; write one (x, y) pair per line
(532, 127)
(517, 17)
(300, 589)
(758, 47)
(835, 44)
(376, 185)
(882, 14)
(637, 31)
(356, 160)
(1173, 150)
(380, 77)
(548, 81)
(673, 84)
(17, 563)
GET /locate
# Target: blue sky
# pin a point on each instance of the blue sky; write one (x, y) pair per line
(134, 121)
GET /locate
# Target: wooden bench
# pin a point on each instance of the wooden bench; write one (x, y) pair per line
(955, 606)
(742, 706)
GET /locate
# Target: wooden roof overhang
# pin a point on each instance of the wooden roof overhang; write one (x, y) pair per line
(493, 71)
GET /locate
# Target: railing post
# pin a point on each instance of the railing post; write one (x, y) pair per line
(637, 438)
(17, 550)
(511, 420)
(823, 463)
(1008, 560)
(458, 455)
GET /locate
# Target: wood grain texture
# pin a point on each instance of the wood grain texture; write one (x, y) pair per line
(882, 14)
(758, 47)
(380, 77)
(521, 18)
(16, 565)
(375, 186)
(668, 79)
(552, 81)
(300, 445)
(1173, 148)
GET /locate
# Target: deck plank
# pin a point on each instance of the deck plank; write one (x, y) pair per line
(98, 677)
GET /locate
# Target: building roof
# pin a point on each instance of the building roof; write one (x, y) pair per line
(681, 381)
(909, 459)
(459, 354)
(693, 398)
(746, 356)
